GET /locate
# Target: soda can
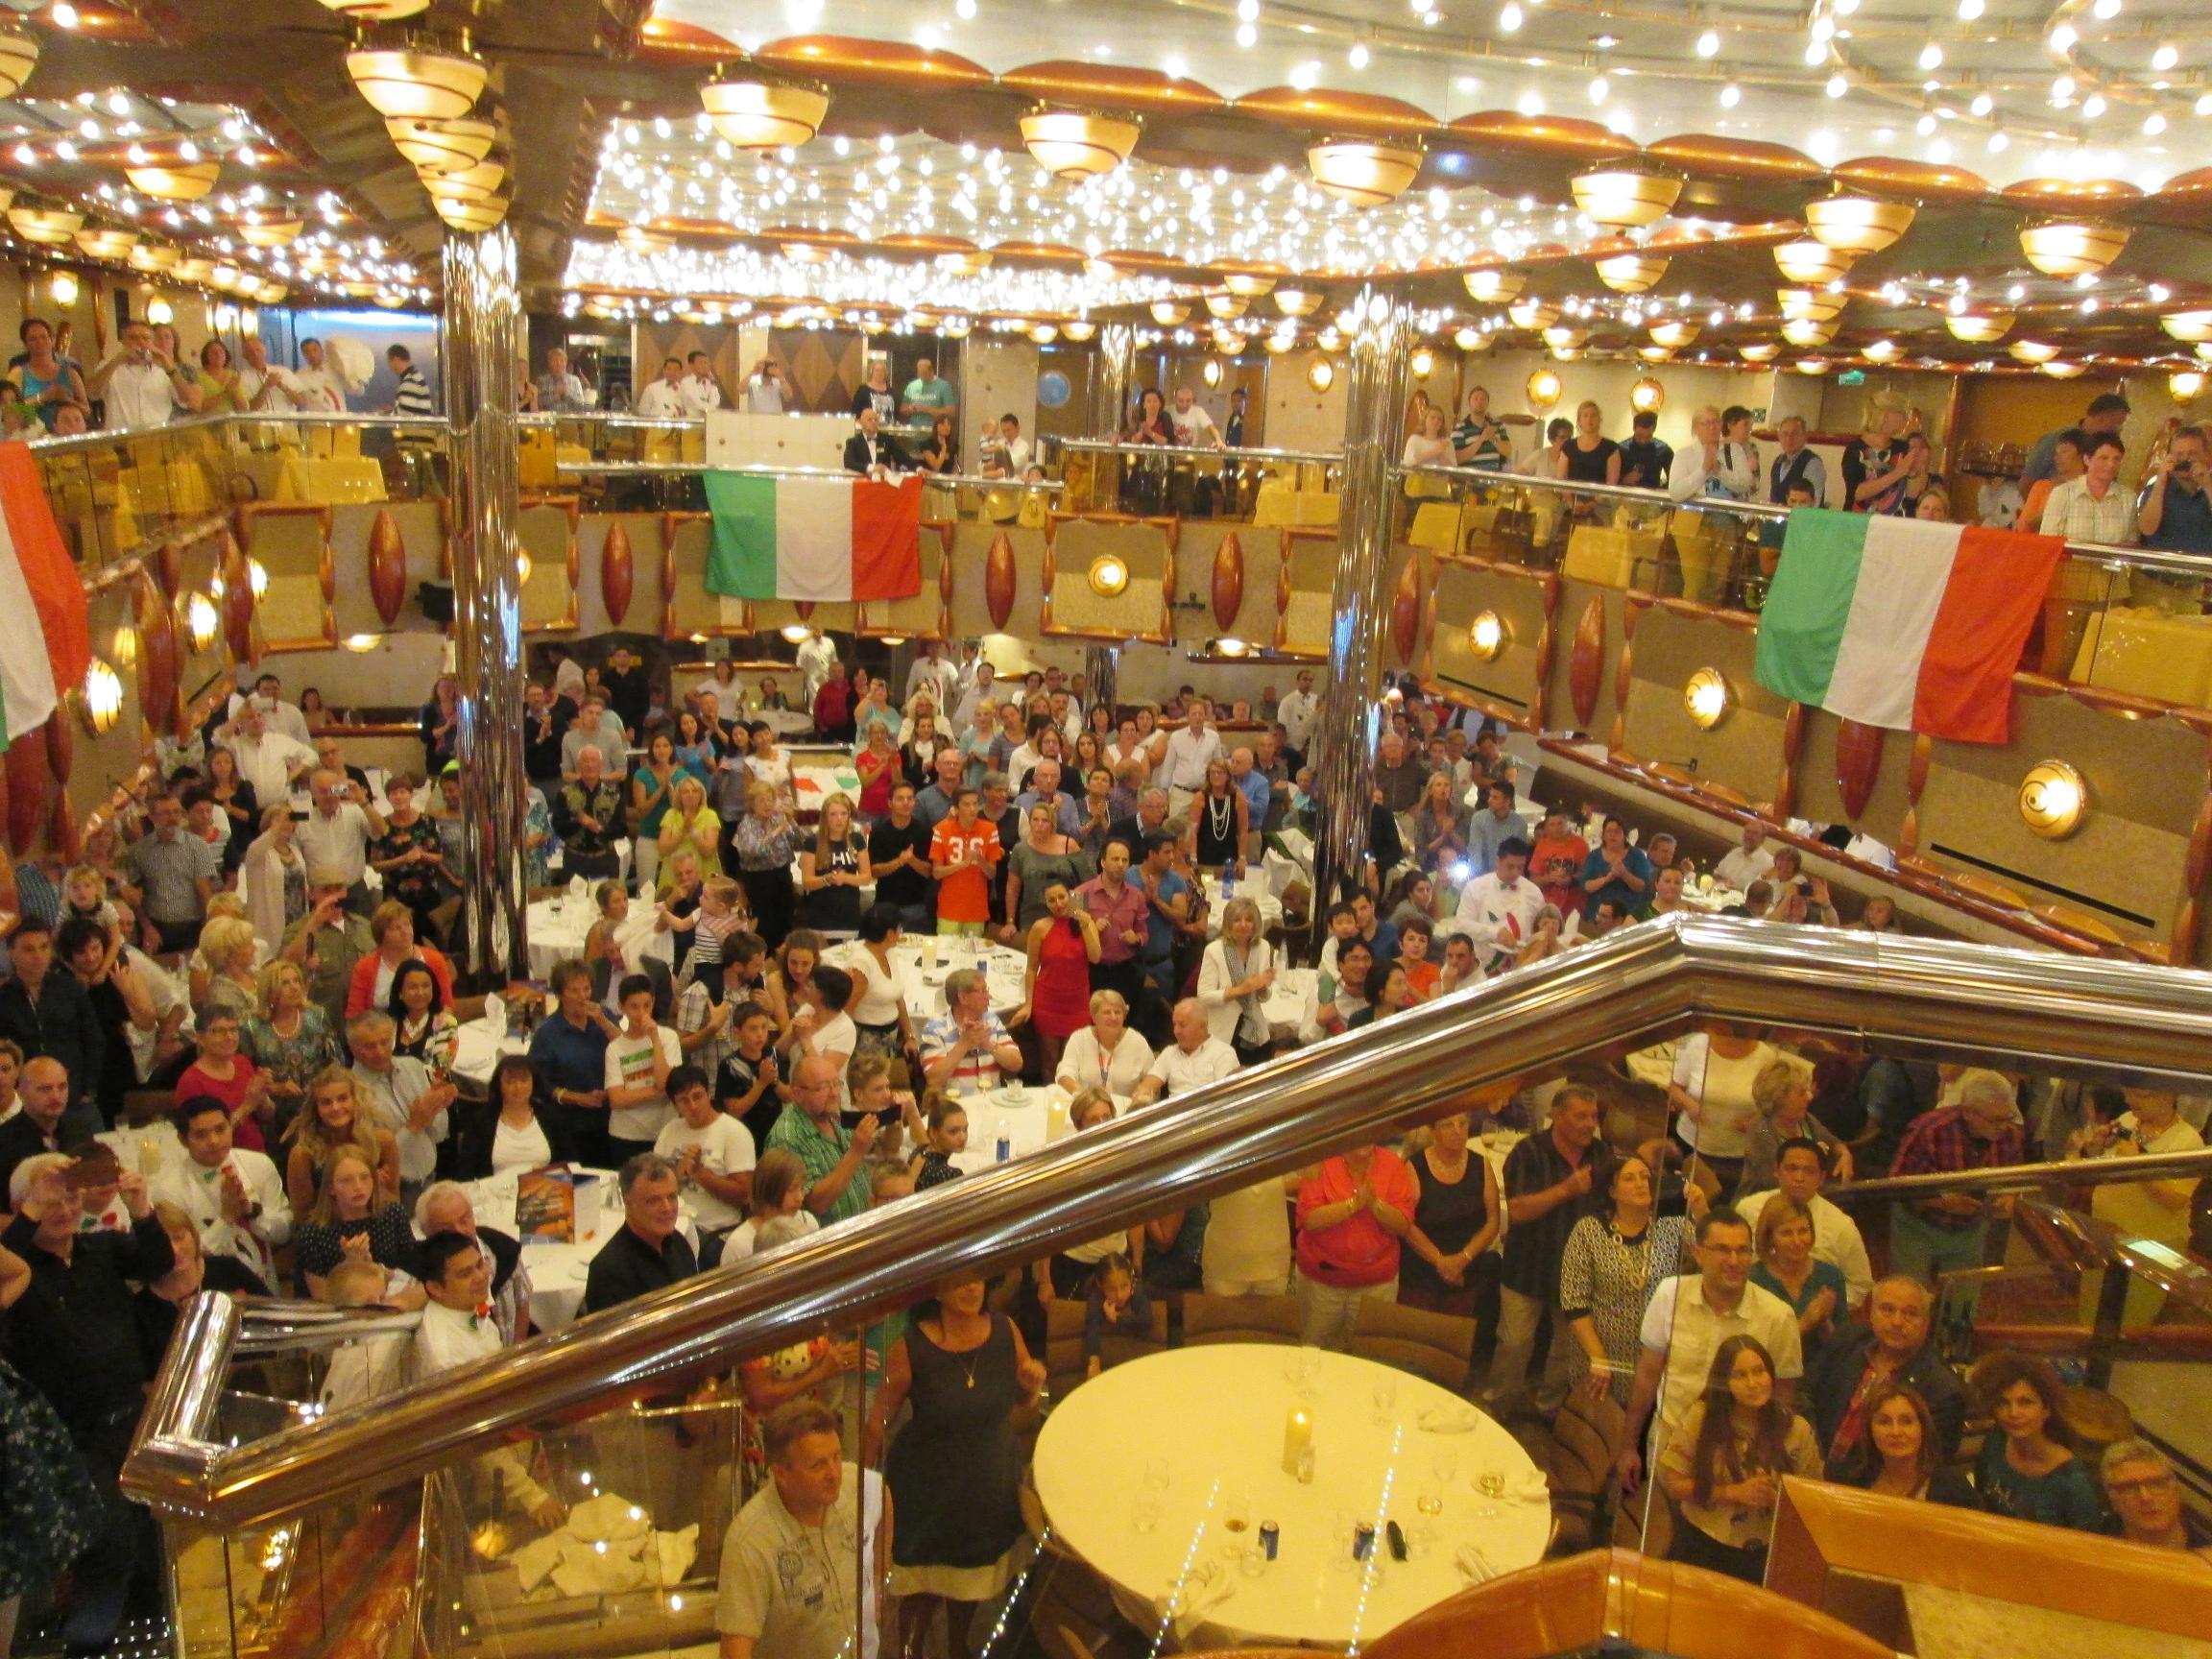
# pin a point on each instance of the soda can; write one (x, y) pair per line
(1270, 1538)
(1362, 1540)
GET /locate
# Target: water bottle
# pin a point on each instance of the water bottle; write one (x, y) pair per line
(1004, 1147)
(1228, 882)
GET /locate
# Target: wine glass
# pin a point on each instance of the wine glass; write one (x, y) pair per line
(1157, 1474)
(1491, 1483)
(1145, 1513)
(1386, 1402)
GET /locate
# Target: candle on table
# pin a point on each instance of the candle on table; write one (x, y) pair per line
(1297, 1439)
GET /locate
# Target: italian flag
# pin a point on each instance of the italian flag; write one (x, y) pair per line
(1903, 622)
(45, 640)
(814, 539)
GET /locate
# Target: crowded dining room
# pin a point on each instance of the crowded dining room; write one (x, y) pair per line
(834, 831)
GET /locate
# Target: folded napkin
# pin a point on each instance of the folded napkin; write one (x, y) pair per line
(1529, 1487)
(1474, 1565)
(1456, 1419)
(1196, 1598)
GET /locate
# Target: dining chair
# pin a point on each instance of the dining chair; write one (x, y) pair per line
(1208, 1319)
(1438, 1346)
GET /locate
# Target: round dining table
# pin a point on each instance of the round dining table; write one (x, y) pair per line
(1145, 1470)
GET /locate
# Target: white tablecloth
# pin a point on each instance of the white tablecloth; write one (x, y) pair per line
(925, 964)
(558, 926)
(1254, 886)
(556, 1271)
(1214, 1417)
(1286, 1003)
(1719, 898)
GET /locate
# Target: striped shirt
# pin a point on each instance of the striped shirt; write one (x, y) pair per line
(414, 395)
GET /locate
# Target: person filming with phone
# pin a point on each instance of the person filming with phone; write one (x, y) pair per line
(2176, 515)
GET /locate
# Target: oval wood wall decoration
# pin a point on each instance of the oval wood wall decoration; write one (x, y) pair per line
(999, 579)
(169, 567)
(61, 744)
(1228, 581)
(61, 829)
(1405, 610)
(30, 782)
(387, 566)
(237, 603)
(157, 661)
(1858, 763)
(1586, 661)
(617, 573)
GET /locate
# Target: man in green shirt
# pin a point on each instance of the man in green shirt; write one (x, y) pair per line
(810, 1130)
(927, 396)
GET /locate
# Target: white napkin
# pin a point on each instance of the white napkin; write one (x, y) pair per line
(1449, 1419)
(494, 1016)
(1530, 1488)
(1208, 1586)
(1474, 1565)
(579, 889)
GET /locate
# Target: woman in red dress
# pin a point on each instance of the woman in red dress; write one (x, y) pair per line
(1056, 995)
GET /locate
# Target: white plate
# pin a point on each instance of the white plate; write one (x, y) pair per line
(1017, 1096)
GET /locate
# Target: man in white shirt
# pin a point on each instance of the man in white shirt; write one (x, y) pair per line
(1194, 1059)
(1005, 452)
(817, 654)
(402, 1097)
(559, 392)
(317, 386)
(1191, 748)
(257, 383)
(702, 392)
(1296, 714)
(764, 392)
(444, 1207)
(234, 1196)
(933, 674)
(1741, 866)
(1498, 911)
(269, 761)
(286, 717)
(663, 400)
(1194, 428)
(1684, 1325)
(1800, 1174)
(335, 833)
(711, 1150)
(140, 385)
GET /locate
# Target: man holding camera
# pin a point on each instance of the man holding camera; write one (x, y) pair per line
(2176, 515)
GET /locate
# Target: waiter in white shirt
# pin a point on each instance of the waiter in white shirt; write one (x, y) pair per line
(269, 761)
(317, 386)
(1005, 454)
(702, 392)
(1297, 714)
(663, 400)
(141, 385)
(234, 1196)
(1498, 911)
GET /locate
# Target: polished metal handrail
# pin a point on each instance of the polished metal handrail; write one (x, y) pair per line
(754, 470)
(1928, 996)
(1195, 451)
(2020, 1177)
(79, 441)
(2111, 555)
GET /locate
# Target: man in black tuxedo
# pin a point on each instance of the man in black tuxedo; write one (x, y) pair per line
(874, 452)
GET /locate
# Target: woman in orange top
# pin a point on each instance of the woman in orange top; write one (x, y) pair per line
(2067, 463)
(1416, 938)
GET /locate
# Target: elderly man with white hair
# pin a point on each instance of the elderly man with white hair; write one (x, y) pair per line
(2145, 1492)
(445, 1207)
(1194, 1059)
(1949, 1232)
(588, 816)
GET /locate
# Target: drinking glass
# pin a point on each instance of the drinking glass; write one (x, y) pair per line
(1386, 1402)
(1236, 1520)
(1157, 1474)
(1430, 1501)
(1491, 1483)
(1145, 1513)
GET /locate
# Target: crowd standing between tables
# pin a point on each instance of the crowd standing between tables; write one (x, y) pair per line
(737, 1039)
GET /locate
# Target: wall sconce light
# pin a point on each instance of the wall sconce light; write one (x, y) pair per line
(361, 644)
(1109, 576)
(795, 632)
(65, 287)
(124, 647)
(1707, 699)
(1211, 373)
(2185, 385)
(1543, 389)
(1321, 376)
(100, 700)
(257, 577)
(1647, 396)
(1423, 363)
(201, 622)
(2054, 800)
(160, 311)
(1486, 635)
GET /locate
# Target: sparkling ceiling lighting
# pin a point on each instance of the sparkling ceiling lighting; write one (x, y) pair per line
(1074, 145)
(2190, 326)
(1248, 284)
(1624, 197)
(18, 57)
(1495, 286)
(2030, 352)
(756, 114)
(2073, 247)
(258, 228)
(1632, 273)
(417, 82)
(378, 10)
(108, 242)
(1674, 333)
(1812, 263)
(442, 146)
(176, 181)
(1980, 328)
(1361, 172)
(1857, 225)
(49, 226)
(1297, 302)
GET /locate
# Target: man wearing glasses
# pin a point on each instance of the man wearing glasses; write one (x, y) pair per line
(2146, 1493)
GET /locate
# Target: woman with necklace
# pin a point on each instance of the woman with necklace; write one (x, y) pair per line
(1217, 822)
(2028, 1469)
(1903, 1456)
(1612, 1264)
(1455, 1218)
(1235, 975)
(955, 1469)
(1040, 858)
(291, 1042)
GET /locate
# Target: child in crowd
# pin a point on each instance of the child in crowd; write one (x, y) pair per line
(718, 917)
(1115, 1302)
(85, 894)
(948, 1123)
(370, 1367)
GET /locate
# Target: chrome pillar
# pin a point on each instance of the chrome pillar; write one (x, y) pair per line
(481, 342)
(1100, 664)
(1346, 733)
(1113, 366)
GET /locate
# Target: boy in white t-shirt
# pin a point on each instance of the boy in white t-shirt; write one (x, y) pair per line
(713, 1152)
(639, 1058)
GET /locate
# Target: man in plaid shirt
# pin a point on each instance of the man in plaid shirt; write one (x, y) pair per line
(1949, 1232)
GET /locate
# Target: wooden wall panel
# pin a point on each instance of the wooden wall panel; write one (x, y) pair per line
(1743, 752)
(421, 529)
(1507, 684)
(970, 608)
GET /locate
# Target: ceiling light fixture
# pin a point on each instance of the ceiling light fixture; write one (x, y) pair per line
(1625, 196)
(1362, 172)
(2072, 247)
(1074, 145)
(1632, 273)
(1857, 225)
(420, 82)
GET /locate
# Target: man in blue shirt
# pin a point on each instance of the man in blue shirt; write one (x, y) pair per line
(569, 1058)
(1258, 796)
(1492, 827)
(1045, 786)
(1167, 893)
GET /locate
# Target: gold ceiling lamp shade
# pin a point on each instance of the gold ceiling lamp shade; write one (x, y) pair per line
(475, 184)
(106, 242)
(1227, 306)
(2030, 352)
(2072, 247)
(1674, 333)
(270, 291)
(1625, 195)
(1494, 285)
(1074, 144)
(1561, 338)
(479, 214)
(1044, 333)
(427, 83)
(1079, 331)
(1656, 354)
(1468, 339)
(1532, 315)
(955, 328)
(1758, 351)
(1168, 313)
(1632, 273)
(196, 272)
(1811, 263)
(258, 228)
(1857, 225)
(1362, 171)
(2060, 370)
(433, 146)
(1811, 364)
(2190, 326)
(48, 226)
(1803, 331)
(1882, 352)
(1248, 284)
(757, 114)
(18, 57)
(355, 289)
(1810, 304)
(378, 10)
(1297, 302)
(176, 180)
(2185, 384)
(1979, 328)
